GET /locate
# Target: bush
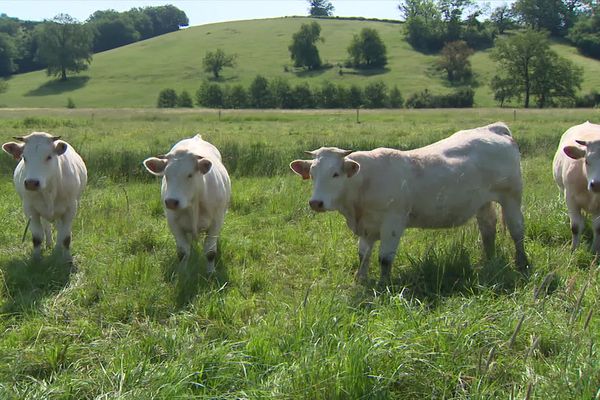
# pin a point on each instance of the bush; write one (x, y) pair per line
(355, 96)
(236, 97)
(167, 98)
(259, 93)
(462, 98)
(282, 94)
(395, 98)
(210, 95)
(592, 99)
(303, 96)
(327, 95)
(185, 100)
(70, 103)
(375, 95)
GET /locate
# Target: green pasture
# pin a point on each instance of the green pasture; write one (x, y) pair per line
(283, 317)
(133, 75)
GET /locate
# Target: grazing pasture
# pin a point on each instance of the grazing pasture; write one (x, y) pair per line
(283, 317)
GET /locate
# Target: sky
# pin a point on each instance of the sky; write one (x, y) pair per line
(199, 12)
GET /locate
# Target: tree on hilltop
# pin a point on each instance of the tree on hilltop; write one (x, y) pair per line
(320, 8)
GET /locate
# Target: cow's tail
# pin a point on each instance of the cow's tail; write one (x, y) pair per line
(499, 128)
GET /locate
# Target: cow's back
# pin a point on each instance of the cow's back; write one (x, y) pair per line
(442, 184)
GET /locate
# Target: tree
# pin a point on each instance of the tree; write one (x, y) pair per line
(64, 45)
(375, 95)
(424, 25)
(303, 51)
(454, 59)
(585, 34)
(8, 53)
(259, 93)
(112, 29)
(320, 8)
(367, 50)
(502, 18)
(185, 100)
(551, 15)
(530, 68)
(210, 94)
(215, 61)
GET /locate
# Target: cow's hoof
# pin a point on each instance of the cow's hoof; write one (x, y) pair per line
(361, 278)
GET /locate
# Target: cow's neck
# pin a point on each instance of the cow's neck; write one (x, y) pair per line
(350, 206)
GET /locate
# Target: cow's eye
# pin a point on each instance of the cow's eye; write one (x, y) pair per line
(24, 159)
(335, 175)
(190, 175)
(48, 158)
(587, 162)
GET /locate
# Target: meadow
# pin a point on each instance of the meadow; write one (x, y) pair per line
(133, 75)
(283, 317)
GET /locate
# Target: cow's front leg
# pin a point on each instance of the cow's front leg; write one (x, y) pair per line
(365, 248)
(47, 233)
(596, 227)
(63, 233)
(577, 221)
(37, 234)
(391, 231)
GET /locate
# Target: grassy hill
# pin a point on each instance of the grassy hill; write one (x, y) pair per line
(132, 76)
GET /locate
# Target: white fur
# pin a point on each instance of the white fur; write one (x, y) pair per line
(438, 186)
(575, 178)
(62, 181)
(203, 198)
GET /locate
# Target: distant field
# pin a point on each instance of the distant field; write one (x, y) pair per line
(283, 318)
(132, 76)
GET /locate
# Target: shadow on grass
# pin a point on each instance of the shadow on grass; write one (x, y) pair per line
(447, 272)
(28, 281)
(57, 87)
(311, 73)
(191, 278)
(367, 71)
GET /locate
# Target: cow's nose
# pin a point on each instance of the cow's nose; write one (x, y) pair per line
(316, 205)
(172, 204)
(594, 186)
(32, 184)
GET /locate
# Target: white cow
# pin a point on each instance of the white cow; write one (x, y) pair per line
(50, 179)
(384, 191)
(195, 193)
(576, 169)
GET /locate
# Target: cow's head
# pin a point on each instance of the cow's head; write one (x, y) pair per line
(589, 151)
(38, 152)
(330, 171)
(182, 177)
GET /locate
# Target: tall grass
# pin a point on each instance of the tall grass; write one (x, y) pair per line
(283, 318)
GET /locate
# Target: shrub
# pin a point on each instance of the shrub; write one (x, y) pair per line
(592, 99)
(355, 96)
(259, 93)
(327, 95)
(236, 97)
(462, 98)
(303, 96)
(282, 94)
(167, 98)
(210, 95)
(185, 100)
(375, 95)
(70, 103)
(395, 98)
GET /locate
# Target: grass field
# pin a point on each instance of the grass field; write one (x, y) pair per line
(283, 317)
(132, 76)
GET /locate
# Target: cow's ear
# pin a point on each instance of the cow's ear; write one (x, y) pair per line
(156, 166)
(301, 167)
(14, 149)
(351, 167)
(574, 152)
(203, 165)
(60, 147)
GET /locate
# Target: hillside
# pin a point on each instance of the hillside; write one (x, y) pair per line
(132, 76)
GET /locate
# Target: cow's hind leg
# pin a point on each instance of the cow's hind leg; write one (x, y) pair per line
(596, 226)
(577, 222)
(486, 219)
(511, 208)
(365, 248)
(210, 244)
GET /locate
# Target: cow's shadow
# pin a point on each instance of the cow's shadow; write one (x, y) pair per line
(28, 281)
(191, 277)
(438, 274)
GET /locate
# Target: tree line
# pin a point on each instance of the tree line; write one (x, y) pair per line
(28, 45)
(279, 93)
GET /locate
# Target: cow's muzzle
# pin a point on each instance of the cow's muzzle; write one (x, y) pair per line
(32, 184)
(316, 205)
(594, 186)
(172, 204)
